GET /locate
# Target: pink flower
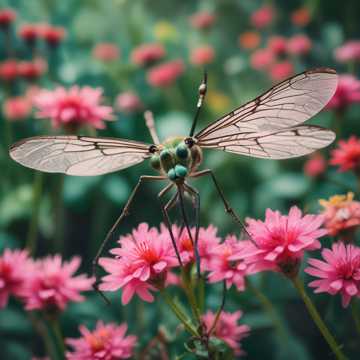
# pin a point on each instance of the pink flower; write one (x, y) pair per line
(147, 54)
(347, 93)
(224, 263)
(207, 241)
(128, 102)
(7, 17)
(32, 70)
(227, 328)
(347, 155)
(52, 284)
(342, 215)
(9, 70)
(350, 51)
(202, 55)
(29, 32)
(106, 342)
(202, 20)
(165, 74)
(106, 52)
(315, 165)
(17, 108)
(52, 35)
(299, 45)
(141, 264)
(261, 59)
(301, 17)
(281, 70)
(277, 44)
(74, 107)
(262, 17)
(281, 240)
(339, 273)
(15, 267)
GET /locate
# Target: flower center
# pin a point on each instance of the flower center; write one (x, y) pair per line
(97, 339)
(147, 253)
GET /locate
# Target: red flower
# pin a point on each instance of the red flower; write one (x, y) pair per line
(299, 45)
(52, 35)
(147, 54)
(9, 70)
(106, 342)
(7, 17)
(315, 165)
(277, 44)
(106, 52)
(339, 273)
(32, 70)
(16, 108)
(347, 155)
(281, 70)
(202, 55)
(165, 74)
(342, 215)
(249, 40)
(347, 93)
(301, 17)
(29, 32)
(261, 59)
(262, 17)
(202, 20)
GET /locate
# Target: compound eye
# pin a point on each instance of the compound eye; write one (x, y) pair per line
(182, 151)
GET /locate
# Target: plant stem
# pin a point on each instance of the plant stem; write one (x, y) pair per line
(299, 286)
(59, 215)
(54, 323)
(179, 314)
(269, 309)
(34, 222)
(355, 314)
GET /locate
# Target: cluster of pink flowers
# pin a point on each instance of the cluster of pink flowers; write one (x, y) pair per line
(12, 69)
(48, 284)
(73, 108)
(52, 35)
(107, 342)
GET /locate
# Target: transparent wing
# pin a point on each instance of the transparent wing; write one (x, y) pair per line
(285, 105)
(282, 144)
(78, 155)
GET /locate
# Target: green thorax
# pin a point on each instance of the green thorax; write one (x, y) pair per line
(175, 159)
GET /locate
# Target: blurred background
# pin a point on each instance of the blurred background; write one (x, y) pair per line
(100, 44)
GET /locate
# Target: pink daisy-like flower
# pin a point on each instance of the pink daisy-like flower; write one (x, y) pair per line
(141, 263)
(52, 35)
(277, 44)
(227, 328)
(281, 240)
(202, 55)
(128, 102)
(224, 265)
(7, 17)
(339, 273)
(147, 54)
(342, 215)
(350, 51)
(32, 70)
(207, 241)
(347, 155)
(106, 342)
(52, 284)
(17, 108)
(347, 93)
(315, 165)
(249, 40)
(15, 267)
(9, 70)
(74, 107)
(281, 70)
(262, 17)
(202, 20)
(261, 59)
(29, 33)
(299, 45)
(165, 74)
(106, 52)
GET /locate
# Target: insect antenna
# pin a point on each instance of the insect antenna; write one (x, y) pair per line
(202, 93)
(150, 123)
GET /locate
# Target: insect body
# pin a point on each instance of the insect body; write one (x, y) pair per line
(270, 126)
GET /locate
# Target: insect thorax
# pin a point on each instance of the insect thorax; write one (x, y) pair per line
(176, 159)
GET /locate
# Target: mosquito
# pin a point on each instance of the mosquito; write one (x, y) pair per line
(270, 127)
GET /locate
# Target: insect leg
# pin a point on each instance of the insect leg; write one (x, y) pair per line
(227, 206)
(221, 308)
(167, 219)
(123, 214)
(150, 124)
(192, 191)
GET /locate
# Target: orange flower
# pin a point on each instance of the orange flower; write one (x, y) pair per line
(249, 40)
